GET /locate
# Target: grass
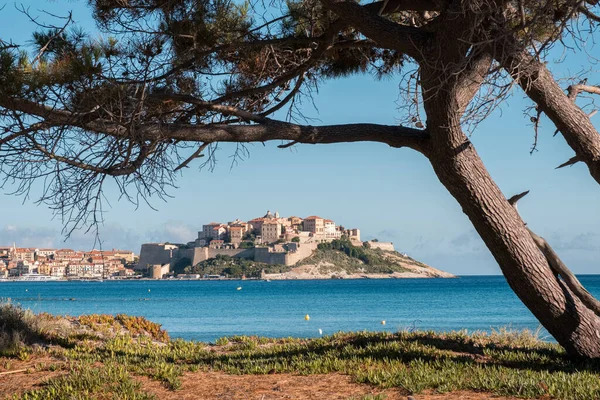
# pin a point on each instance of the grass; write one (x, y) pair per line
(504, 362)
(86, 382)
(18, 327)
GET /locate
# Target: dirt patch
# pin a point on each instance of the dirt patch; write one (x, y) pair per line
(35, 374)
(218, 385)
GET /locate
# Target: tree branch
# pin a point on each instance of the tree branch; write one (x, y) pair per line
(539, 84)
(558, 267)
(574, 90)
(206, 105)
(572, 161)
(394, 6)
(195, 154)
(588, 13)
(386, 33)
(395, 136)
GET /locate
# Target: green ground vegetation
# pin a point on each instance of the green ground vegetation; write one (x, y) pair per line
(342, 255)
(234, 267)
(97, 361)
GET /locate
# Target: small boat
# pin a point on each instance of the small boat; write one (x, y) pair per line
(36, 278)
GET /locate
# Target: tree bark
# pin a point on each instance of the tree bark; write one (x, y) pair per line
(526, 270)
(460, 169)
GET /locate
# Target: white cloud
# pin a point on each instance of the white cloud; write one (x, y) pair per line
(172, 231)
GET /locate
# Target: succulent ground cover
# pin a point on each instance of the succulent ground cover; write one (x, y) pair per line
(101, 357)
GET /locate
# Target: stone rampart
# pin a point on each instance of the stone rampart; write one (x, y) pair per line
(386, 246)
(301, 252)
(295, 253)
(287, 254)
(205, 253)
(155, 253)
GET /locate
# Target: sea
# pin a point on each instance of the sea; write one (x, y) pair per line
(207, 310)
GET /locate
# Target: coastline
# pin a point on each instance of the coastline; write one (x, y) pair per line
(287, 276)
(131, 357)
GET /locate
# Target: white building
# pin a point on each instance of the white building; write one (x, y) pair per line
(330, 230)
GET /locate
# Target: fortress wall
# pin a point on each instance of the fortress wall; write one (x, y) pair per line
(204, 253)
(152, 254)
(186, 253)
(303, 251)
(387, 246)
(262, 254)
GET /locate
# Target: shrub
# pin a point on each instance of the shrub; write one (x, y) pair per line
(18, 327)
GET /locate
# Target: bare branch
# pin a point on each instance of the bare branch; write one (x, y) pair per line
(572, 161)
(589, 14)
(574, 90)
(558, 267)
(290, 144)
(195, 154)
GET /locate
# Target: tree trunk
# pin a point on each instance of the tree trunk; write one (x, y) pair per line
(461, 171)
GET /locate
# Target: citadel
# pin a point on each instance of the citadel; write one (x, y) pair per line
(270, 239)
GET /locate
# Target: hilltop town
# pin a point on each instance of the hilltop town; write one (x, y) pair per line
(272, 240)
(267, 247)
(47, 264)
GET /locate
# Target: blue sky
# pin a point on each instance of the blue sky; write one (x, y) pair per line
(388, 193)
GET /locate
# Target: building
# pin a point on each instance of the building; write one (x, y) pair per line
(45, 269)
(208, 231)
(5, 251)
(24, 254)
(219, 232)
(354, 234)
(58, 271)
(216, 244)
(236, 233)
(295, 223)
(81, 270)
(271, 231)
(45, 253)
(314, 224)
(256, 225)
(330, 230)
(65, 255)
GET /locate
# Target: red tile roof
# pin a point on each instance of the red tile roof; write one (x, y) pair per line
(313, 217)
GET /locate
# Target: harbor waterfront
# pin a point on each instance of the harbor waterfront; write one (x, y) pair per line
(207, 310)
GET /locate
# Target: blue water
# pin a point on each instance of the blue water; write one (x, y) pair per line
(207, 310)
